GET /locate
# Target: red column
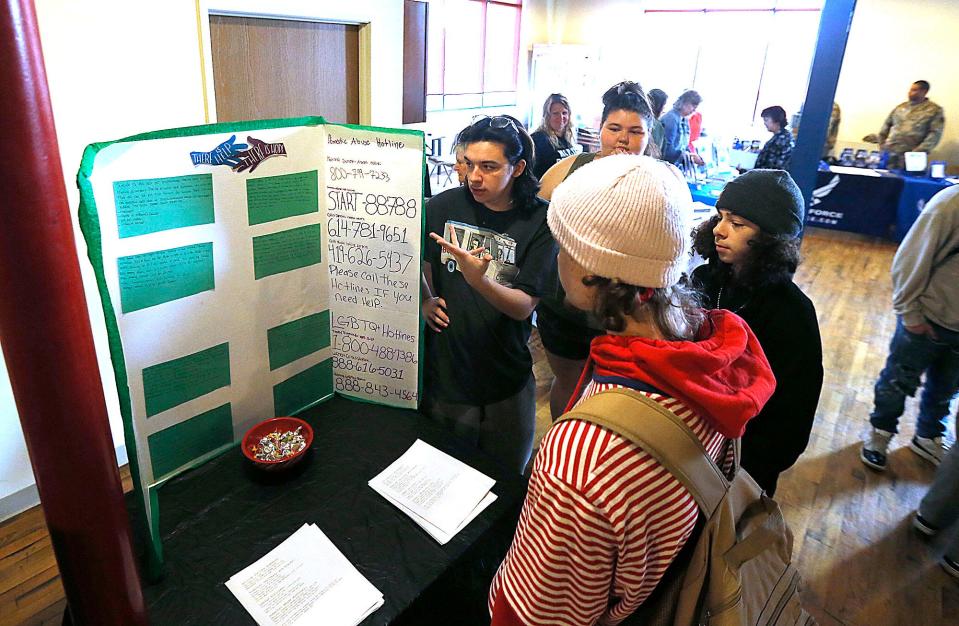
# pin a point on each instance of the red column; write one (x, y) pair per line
(48, 346)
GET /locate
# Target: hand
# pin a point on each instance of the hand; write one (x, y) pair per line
(434, 312)
(227, 153)
(698, 160)
(258, 152)
(922, 329)
(472, 263)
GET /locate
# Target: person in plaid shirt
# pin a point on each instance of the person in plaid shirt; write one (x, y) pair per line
(778, 151)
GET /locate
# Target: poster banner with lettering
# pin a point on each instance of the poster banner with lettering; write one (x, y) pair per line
(249, 270)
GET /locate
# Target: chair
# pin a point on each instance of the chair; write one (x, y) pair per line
(438, 166)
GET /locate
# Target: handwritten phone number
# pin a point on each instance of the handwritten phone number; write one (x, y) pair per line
(365, 348)
(389, 260)
(365, 367)
(361, 229)
(341, 173)
(351, 384)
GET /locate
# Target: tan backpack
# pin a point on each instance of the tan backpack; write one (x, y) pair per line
(735, 569)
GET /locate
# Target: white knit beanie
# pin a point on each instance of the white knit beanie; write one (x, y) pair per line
(626, 217)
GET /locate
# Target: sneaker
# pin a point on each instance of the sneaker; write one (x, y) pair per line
(874, 449)
(931, 449)
(951, 567)
(920, 524)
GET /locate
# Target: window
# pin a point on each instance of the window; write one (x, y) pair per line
(472, 53)
(741, 55)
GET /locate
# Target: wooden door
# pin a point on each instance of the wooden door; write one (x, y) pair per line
(269, 68)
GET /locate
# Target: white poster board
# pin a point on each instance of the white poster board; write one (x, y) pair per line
(250, 270)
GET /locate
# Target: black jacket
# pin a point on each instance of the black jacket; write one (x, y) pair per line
(785, 323)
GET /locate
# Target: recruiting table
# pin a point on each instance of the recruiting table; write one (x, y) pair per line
(219, 518)
(869, 202)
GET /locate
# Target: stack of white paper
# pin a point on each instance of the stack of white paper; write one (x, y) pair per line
(438, 492)
(305, 580)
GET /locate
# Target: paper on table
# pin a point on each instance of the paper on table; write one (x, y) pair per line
(305, 580)
(440, 489)
(860, 171)
(442, 537)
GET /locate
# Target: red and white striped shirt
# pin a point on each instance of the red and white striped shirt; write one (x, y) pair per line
(601, 523)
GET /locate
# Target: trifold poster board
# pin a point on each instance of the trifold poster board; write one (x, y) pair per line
(249, 270)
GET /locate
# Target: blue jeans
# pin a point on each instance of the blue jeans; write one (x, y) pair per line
(909, 357)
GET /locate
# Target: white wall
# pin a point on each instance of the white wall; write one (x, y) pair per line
(891, 44)
(116, 68)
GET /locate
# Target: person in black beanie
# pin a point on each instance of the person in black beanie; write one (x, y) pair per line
(752, 250)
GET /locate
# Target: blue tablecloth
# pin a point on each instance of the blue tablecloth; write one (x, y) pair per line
(916, 191)
(856, 202)
(707, 193)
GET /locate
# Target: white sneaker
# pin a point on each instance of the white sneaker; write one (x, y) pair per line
(931, 449)
(875, 448)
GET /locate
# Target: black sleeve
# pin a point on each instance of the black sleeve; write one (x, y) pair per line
(538, 263)
(776, 437)
(545, 153)
(436, 212)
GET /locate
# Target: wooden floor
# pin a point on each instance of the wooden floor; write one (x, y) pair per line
(862, 564)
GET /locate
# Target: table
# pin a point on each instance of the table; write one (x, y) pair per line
(219, 518)
(707, 193)
(871, 202)
(916, 191)
(856, 201)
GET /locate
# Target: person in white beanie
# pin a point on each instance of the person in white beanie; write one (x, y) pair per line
(602, 519)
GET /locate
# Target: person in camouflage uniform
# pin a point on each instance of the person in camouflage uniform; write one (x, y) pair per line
(913, 126)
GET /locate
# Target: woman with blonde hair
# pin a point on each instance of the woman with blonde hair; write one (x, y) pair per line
(553, 139)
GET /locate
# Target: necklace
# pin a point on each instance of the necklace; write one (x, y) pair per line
(719, 299)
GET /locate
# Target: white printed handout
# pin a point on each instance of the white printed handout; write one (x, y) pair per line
(439, 492)
(305, 580)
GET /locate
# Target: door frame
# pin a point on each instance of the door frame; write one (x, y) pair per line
(362, 16)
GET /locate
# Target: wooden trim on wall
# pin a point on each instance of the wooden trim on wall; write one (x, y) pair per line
(415, 16)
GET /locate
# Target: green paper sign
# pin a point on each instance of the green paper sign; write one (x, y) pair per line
(182, 443)
(300, 391)
(165, 275)
(154, 204)
(286, 250)
(275, 197)
(293, 340)
(168, 384)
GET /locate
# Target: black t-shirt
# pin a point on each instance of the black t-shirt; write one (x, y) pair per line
(785, 323)
(481, 357)
(547, 154)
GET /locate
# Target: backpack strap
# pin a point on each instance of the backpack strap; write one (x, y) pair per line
(663, 435)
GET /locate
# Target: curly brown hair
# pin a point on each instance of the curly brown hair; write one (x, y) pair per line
(772, 258)
(675, 309)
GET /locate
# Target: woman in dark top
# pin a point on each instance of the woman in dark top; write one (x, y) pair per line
(566, 332)
(553, 139)
(778, 151)
(752, 251)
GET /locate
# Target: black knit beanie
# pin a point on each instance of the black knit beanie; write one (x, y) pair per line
(768, 198)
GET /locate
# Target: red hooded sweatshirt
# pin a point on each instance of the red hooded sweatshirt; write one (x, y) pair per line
(724, 375)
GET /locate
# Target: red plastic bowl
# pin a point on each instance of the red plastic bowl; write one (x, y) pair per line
(253, 436)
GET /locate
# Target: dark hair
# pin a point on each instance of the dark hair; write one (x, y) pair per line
(923, 84)
(775, 113)
(690, 96)
(657, 99)
(556, 98)
(627, 96)
(675, 309)
(772, 258)
(517, 146)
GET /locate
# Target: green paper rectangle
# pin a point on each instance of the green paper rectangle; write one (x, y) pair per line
(168, 384)
(286, 250)
(174, 447)
(153, 204)
(156, 277)
(299, 391)
(275, 197)
(293, 340)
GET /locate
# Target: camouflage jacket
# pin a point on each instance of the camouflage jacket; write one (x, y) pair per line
(912, 128)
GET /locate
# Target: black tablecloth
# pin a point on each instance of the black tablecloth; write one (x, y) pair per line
(219, 518)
